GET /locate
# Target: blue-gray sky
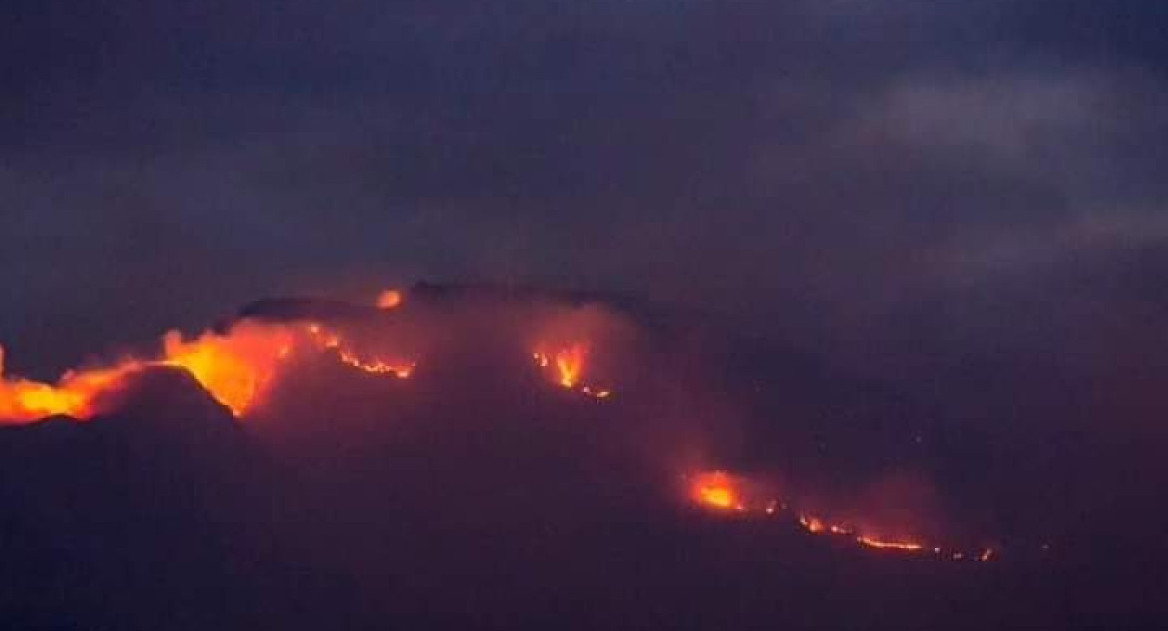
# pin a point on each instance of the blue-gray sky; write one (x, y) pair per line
(831, 171)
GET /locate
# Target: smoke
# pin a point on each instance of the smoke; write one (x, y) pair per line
(482, 487)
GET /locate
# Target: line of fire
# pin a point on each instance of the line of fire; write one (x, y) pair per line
(239, 366)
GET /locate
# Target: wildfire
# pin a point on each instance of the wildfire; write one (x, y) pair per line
(389, 299)
(812, 524)
(325, 339)
(236, 368)
(722, 491)
(717, 490)
(377, 366)
(889, 545)
(22, 400)
(568, 364)
(239, 367)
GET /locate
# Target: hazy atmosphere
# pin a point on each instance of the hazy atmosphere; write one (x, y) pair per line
(894, 263)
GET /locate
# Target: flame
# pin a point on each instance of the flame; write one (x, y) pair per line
(389, 299)
(377, 366)
(569, 363)
(23, 400)
(907, 546)
(717, 490)
(237, 368)
(723, 491)
(326, 339)
(812, 524)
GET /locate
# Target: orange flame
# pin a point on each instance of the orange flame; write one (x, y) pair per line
(906, 546)
(812, 524)
(236, 368)
(330, 340)
(389, 299)
(569, 366)
(570, 363)
(723, 491)
(377, 366)
(716, 489)
(22, 400)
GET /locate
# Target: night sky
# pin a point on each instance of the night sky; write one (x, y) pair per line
(826, 168)
(965, 203)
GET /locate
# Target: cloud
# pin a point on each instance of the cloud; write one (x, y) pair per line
(782, 162)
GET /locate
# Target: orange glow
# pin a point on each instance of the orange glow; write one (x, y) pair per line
(389, 299)
(569, 364)
(377, 366)
(716, 489)
(906, 546)
(812, 524)
(237, 368)
(724, 491)
(599, 394)
(24, 401)
(325, 339)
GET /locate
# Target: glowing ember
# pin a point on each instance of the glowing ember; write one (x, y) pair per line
(722, 491)
(812, 524)
(889, 545)
(599, 394)
(330, 340)
(376, 366)
(389, 299)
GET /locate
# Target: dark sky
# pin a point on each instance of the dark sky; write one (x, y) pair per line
(896, 171)
(964, 199)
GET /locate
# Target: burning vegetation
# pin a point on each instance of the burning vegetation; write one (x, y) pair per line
(241, 365)
(720, 491)
(237, 368)
(567, 367)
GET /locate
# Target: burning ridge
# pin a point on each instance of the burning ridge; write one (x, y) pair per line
(240, 363)
(723, 492)
(237, 365)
